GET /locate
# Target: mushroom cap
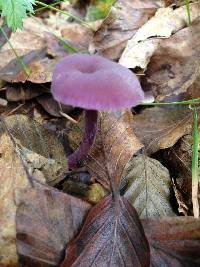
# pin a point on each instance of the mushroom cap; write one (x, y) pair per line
(93, 82)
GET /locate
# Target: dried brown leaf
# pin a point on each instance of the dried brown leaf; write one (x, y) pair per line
(120, 25)
(174, 242)
(39, 65)
(46, 221)
(40, 149)
(160, 128)
(24, 41)
(52, 107)
(111, 236)
(149, 187)
(13, 175)
(22, 92)
(148, 38)
(175, 66)
(115, 144)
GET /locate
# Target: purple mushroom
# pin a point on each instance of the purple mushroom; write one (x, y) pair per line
(93, 83)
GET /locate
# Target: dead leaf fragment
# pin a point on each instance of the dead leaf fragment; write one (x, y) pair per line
(115, 144)
(175, 66)
(166, 21)
(13, 175)
(40, 149)
(120, 25)
(160, 128)
(24, 41)
(52, 107)
(39, 65)
(110, 237)
(174, 242)
(46, 221)
(148, 187)
(22, 92)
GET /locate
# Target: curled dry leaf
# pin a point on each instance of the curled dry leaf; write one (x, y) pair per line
(148, 187)
(40, 149)
(39, 65)
(120, 25)
(12, 175)
(144, 43)
(22, 92)
(51, 106)
(160, 128)
(175, 65)
(112, 235)
(179, 159)
(46, 221)
(174, 242)
(115, 144)
(24, 41)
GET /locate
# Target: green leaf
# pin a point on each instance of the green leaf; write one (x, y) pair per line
(99, 9)
(15, 11)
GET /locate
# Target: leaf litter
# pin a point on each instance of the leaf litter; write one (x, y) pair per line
(135, 153)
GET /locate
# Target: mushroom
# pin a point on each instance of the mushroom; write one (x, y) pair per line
(93, 83)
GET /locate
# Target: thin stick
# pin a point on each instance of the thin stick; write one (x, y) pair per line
(68, 117)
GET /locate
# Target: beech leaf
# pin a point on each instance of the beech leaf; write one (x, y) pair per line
(148, 187)
(46, 220)
(112, 235)
(174, 242)
(115, 144)
(160, 128)
(12, 176)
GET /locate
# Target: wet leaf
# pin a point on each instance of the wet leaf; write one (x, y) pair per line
(115, 144)
(12, 176)
(148, 38)
(174, 242)
(40, 149)
(111, 236)
(46, 221)
(120, 25)
(160, 128)
(148, 187)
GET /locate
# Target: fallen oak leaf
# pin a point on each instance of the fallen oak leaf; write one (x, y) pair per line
(174, 242)
(46, 221)
(111, 236)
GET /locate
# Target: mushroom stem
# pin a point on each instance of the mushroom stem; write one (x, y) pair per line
(88, 139)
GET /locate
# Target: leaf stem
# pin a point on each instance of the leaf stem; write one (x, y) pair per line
(188, 11)
(194, 101)
(195, 168)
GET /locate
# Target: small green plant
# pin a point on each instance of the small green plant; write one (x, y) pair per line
(14, 11)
